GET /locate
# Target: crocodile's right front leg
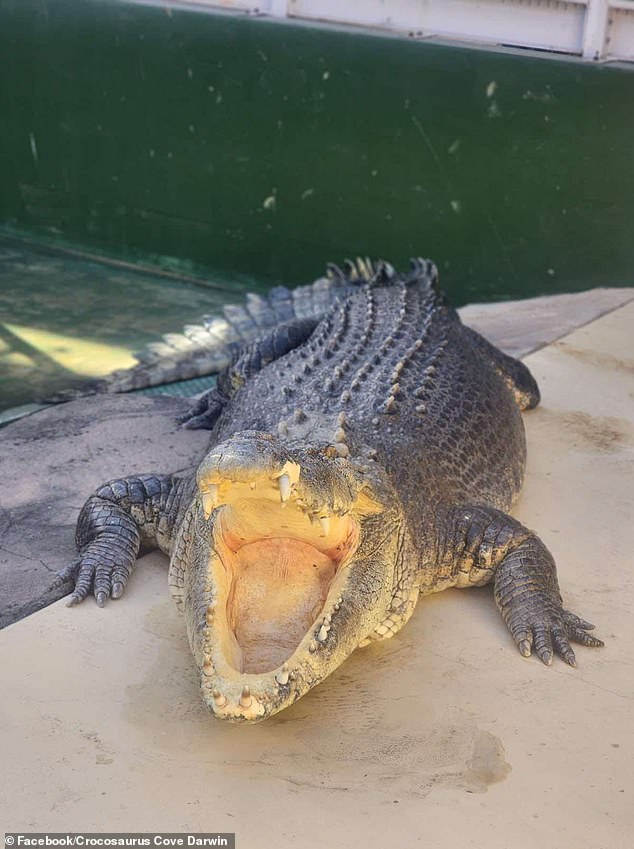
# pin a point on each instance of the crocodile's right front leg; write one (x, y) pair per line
(122, 516)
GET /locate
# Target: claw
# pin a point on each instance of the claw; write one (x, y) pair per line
(562, 646)
(68, 573)
(100, 598)
(525, 648)
(571, 620)
(587, 639)
(577, 630)
(543, 644)
(197, 423)
(117, 590)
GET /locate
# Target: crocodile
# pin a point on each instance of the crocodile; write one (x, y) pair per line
(356, 462)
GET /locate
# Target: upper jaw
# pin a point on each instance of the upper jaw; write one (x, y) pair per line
(244, 497)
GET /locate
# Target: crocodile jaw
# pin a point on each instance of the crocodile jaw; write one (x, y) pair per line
(277, 587)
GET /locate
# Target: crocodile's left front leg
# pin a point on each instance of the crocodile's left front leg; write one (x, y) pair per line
(479, 544)
(114, 523)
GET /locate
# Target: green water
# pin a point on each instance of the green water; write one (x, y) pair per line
(64, 317)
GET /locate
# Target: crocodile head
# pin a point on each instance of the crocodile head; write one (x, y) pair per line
(285, 563)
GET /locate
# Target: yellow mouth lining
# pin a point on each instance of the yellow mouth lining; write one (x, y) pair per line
(273, 568)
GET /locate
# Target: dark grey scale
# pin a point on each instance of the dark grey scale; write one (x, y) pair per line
(401, 380)
(141, 502)
(407, 370)
(281, 301)
(369, 360)
(196, 333)
(341, 323)
(361, 347)
(240, 320)
(260, 311)
(302, 302)
(324, 292)
(382, 374)
(221, 330)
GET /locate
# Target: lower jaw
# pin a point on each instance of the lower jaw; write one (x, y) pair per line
(236, 696)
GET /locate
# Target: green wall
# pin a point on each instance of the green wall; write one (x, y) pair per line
(252, 147)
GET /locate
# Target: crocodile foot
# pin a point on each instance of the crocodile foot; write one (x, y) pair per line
(548, 630)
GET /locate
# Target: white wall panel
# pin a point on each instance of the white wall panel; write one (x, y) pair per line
(544, 24)
(620, 33)
(594, 29)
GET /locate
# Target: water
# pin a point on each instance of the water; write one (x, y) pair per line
(66, 316)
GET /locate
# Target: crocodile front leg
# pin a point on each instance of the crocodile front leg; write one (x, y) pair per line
(115, 522)
(482, 544)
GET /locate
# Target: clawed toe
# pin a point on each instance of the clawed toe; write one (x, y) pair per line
(546, 640)
(204, 414)
(563, 648)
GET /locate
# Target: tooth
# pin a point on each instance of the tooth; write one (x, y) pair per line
(208, 668)
(245, 698)
(284, 483)
(283, 676)
(323, 633)
(324, 523)
(210, 499)
(209, 616)
(252, 484)
(219, 699)
(312, 648)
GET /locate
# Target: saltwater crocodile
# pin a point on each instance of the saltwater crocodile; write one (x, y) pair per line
(355, 463)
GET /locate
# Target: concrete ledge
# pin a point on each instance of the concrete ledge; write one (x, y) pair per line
(520, 327)
(53, 461)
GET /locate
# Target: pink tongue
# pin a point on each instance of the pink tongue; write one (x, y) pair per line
(279, 587)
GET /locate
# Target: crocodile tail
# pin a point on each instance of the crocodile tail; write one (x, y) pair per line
(206, 348)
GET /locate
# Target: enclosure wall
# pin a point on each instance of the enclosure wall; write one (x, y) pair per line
(243, 145)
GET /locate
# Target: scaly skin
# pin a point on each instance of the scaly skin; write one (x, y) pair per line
(387, 446)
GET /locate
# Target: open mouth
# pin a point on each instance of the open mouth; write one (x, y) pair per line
(276, 566)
